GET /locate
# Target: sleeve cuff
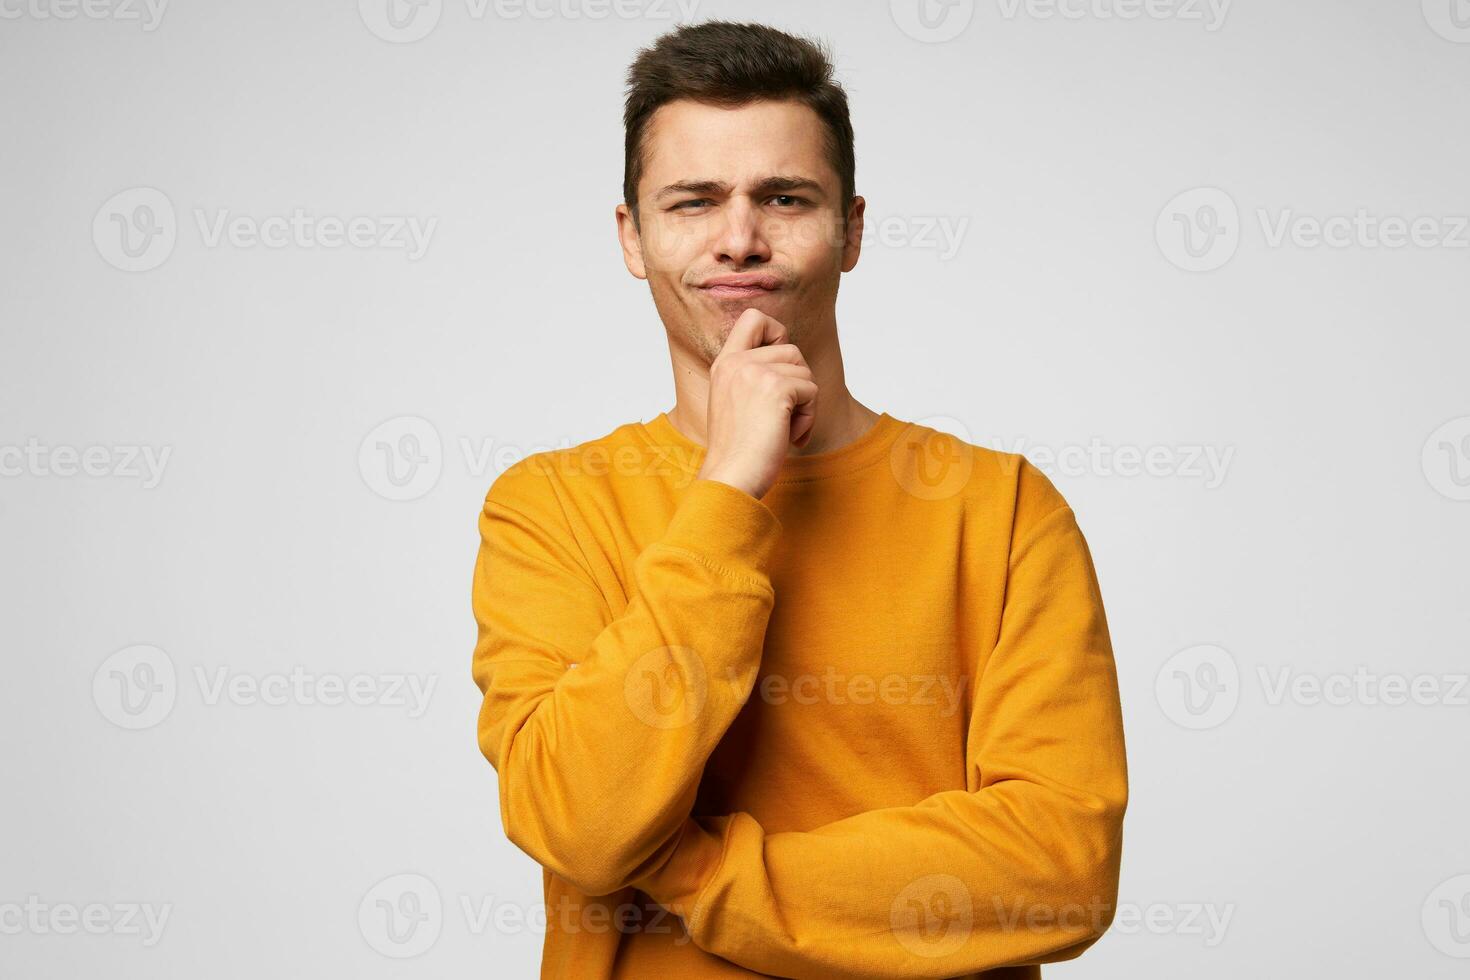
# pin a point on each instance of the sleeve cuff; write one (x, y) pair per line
(678, 882)
(726, 525)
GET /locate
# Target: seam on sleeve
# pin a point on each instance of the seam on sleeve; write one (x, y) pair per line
(581, 575)
(718, 568)
(697, 912)
(1034, 532)
(1031, 534)
(567, 523)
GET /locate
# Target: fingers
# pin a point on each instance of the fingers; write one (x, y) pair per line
(757, 372)
(758, 345)
(789, 370)
(754, 329)
(804, 413)
(776, 354)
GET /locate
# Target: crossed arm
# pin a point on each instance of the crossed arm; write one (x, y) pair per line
(1021, 866)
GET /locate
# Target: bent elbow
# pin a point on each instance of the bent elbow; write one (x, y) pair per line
(1083, 881)
(589, 855)
(591, 870)
(1093, 883)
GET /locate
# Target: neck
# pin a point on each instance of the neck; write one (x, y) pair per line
(841, 418)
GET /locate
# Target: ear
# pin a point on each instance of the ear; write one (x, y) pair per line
(852, 245)
(632, 246)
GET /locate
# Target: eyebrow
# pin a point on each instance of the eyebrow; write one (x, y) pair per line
(767, 185)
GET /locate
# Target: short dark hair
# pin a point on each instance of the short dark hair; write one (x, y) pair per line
(731, 65)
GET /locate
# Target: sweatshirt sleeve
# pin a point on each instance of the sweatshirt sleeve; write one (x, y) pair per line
(599, 726)
(1020, 868)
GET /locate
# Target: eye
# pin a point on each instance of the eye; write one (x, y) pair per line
(790, 197)
(683, 204)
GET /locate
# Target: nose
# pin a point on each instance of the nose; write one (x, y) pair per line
(741, 239)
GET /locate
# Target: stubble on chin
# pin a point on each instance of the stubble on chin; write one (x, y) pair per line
(707, 334)
(705, 331)
(711, 337)
(709, 344)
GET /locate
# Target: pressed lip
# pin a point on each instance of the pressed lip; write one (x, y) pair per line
(741, 291)
(743, 281)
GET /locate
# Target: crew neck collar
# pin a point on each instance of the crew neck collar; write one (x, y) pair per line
(865, 449)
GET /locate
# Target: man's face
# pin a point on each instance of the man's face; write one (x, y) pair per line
(738, 192)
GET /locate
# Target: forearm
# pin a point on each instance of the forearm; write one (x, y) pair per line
(599, 760)
(960, 883)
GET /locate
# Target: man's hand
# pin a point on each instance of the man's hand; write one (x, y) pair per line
(762, 400)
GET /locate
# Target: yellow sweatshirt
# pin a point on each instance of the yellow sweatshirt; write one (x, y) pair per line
(867, 726)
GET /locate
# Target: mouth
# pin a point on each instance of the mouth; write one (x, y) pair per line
(736, 292)
(745, 287)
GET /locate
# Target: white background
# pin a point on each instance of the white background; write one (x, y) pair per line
(1328, 838)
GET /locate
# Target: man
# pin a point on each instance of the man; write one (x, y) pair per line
(775, 684)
